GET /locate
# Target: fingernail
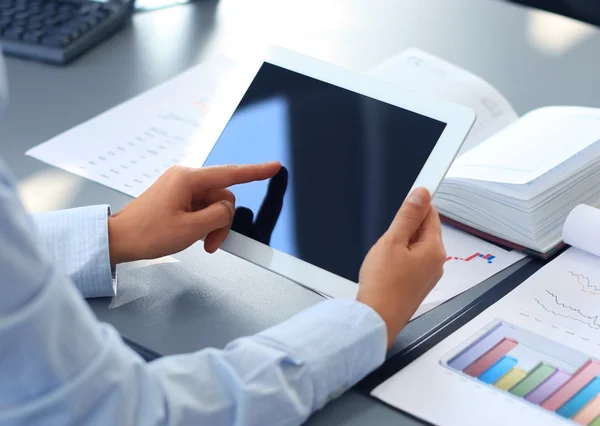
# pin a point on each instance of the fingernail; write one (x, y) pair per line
(419, 196)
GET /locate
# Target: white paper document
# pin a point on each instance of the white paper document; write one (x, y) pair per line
(470, 261)
(128, 147)
(554, 317)
(533, 358)
(582, 228)
(427, 74)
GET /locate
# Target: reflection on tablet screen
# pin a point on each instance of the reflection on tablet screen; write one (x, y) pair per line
(349, 160)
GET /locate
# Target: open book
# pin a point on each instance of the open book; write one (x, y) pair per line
(532, 358)
(516, 179)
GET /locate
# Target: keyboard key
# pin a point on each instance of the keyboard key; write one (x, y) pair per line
(78, 25)
(33, 36)
(91, 20)
(36, 18)
(100, 16)
(22, 15)
(55, 40)
(52, 22)
(8, 13)
(13, 34)
(64, 17)
(107, 8)
(35, 25)
(90, 7)
(71, 32)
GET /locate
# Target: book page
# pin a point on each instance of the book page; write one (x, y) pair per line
(530, 359)
(536, 144)
(582, 229)
(430, 75)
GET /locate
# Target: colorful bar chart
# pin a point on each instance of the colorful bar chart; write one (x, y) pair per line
(534, 379)
(537, 370)
(547, 388)
(588, 413)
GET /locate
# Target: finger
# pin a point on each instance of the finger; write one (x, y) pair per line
(214, 239)
(216, 216)
(410, 216)
(241, 223)
(431, 229)
(225, 176)
(214, 195)
(269, 211)
(430, 238)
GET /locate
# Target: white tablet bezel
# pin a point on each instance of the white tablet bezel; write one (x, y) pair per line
(458, 119)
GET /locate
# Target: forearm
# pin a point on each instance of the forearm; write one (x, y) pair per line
(89, 376)
(77, 240)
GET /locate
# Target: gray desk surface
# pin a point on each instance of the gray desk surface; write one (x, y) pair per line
(534, 59)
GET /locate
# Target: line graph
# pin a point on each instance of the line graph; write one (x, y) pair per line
(592, 321)
(487, 257)
(586, 285)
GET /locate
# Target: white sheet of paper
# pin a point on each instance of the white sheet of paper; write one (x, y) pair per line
(128, 147)
(536, 144)
(582, 229)
(430, 75)
(554, 314)
(464, 266)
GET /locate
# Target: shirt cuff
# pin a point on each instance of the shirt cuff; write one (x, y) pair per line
(340, 341)
(78, 242)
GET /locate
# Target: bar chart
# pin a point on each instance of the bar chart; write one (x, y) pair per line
(537, 370)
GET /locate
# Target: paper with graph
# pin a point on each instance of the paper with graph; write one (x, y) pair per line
(470, 261)
(532, 358)
(128, 147)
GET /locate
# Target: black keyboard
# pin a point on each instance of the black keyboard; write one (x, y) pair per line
(57, 31)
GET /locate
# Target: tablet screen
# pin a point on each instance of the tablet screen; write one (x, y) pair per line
(349, 160)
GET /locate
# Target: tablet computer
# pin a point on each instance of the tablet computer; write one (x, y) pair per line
(352, 147)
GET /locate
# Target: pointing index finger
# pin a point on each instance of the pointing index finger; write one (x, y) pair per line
(225, 176)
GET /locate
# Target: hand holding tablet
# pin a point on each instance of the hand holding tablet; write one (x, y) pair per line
(186, 205)
(405, 264)
(353, 147)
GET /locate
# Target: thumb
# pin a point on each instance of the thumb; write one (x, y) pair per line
(216, 216)
(411, 215)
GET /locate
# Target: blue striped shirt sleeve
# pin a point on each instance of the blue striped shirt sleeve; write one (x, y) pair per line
(60, 366)
(77, 240)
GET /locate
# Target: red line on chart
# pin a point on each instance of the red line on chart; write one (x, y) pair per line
(585, 284)
(487, 257)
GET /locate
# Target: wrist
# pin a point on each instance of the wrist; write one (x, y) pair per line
(395, 315)
(116, 246)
